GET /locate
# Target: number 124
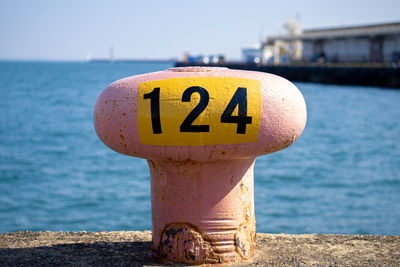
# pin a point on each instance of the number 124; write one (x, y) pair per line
(239, 99)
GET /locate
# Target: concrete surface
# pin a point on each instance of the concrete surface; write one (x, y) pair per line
(133, 248)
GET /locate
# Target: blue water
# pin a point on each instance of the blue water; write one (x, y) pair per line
(341, 176)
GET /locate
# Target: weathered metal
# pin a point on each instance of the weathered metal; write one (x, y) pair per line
(201, 165)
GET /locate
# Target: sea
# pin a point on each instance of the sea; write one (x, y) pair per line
(342, 176)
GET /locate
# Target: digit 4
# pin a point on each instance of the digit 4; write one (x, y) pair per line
(239, 99)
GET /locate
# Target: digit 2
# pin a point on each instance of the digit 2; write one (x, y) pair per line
(186, 125)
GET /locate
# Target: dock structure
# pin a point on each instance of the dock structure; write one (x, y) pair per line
(344, 74)
(366, 55)
(365, 43)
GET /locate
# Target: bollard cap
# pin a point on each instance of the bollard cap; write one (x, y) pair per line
(200, 114)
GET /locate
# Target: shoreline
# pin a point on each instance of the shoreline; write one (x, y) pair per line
(133, 248)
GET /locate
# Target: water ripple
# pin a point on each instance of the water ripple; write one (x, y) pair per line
(341, 176)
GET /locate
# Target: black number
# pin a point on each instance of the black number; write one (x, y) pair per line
(154, 97)
(186, 125)
(238, 99)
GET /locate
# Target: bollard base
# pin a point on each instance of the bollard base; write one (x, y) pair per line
(203, 212)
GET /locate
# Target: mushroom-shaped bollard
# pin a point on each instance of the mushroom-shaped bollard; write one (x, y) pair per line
(201, 129)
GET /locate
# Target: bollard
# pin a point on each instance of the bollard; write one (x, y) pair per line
(201, 129)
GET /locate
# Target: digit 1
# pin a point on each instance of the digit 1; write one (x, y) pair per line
(238, 99)
(154, 97)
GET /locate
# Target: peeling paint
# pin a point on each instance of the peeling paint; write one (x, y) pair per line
(245, 245)
(184, 243)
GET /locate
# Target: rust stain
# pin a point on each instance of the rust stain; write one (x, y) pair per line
(288, 141)
(245, 236)
(184, 243)
(152, 165)
(245, 240)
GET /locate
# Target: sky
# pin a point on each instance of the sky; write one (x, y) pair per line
(151, 29)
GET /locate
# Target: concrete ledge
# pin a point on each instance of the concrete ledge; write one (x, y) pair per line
(133, 248)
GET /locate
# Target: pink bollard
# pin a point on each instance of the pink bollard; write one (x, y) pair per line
(201, 129)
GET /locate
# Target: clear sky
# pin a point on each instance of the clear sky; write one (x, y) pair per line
(70, 30)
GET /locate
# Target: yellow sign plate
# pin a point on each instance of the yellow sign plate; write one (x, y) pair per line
(197, 111)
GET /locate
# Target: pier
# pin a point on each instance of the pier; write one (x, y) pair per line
(380, 75)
